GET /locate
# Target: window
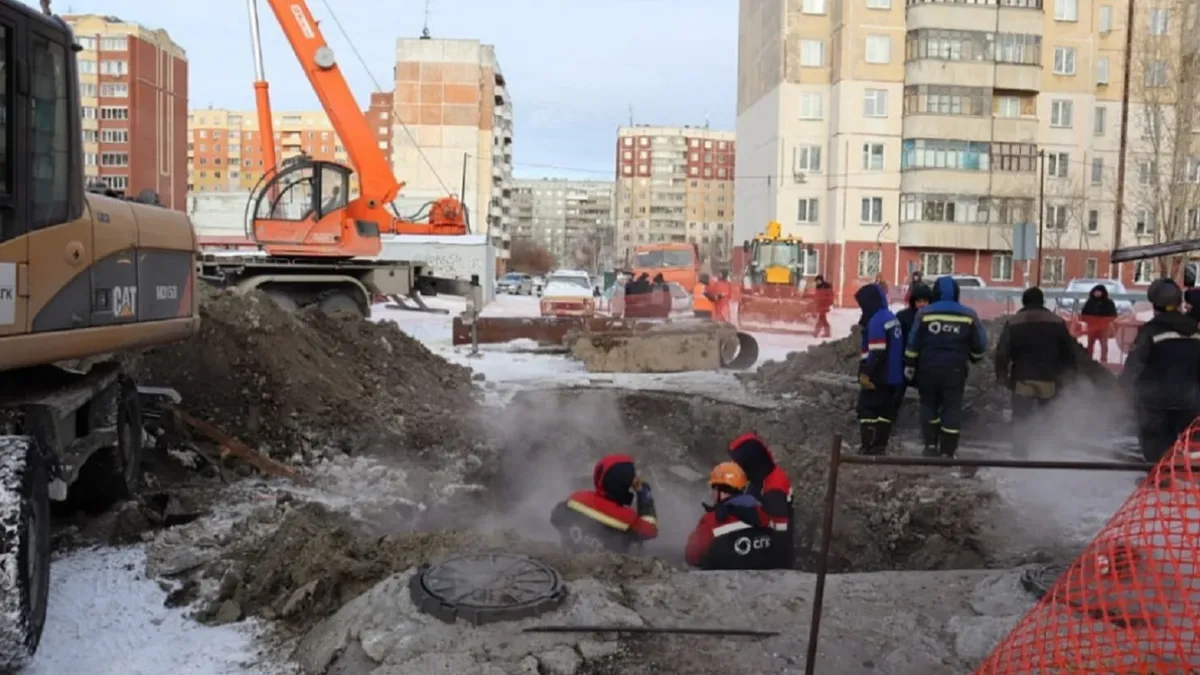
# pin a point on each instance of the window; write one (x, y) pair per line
(114, 44)
(121, 182)
(944, 208)
(812, 53)
(114, 159)
(1057, 163)
(938, 154)
(869, 264)
(114, 67)
(1002, 267)
(1099, 120)
(947, 100)
(114, 90)
(114, 135)
(1143, 224)
(875, 103)
(936, 264)
(811, 107)
(872, 210)
(87, 90)
(1102, 70)
(1097, 170)
(1053, 268)
(872, 156)
(1014, 156)
(1008, 106)
(1151, 123)
(1156, 74)
(813, 7)
(1106, 18)
(879, 49)
(92, 159)
(879, 4)
(1064, 60)
(1147, 171)
(114, 113)
(1056, 217)
(1159, 18)
(49, 146)
(1093, 226)
(808, 210)
(1145, 272)
(1061, 112)
(90, 136)
(1091, 268)
(964, 45)
(1066, 10)
(86, 66)
(806, 159)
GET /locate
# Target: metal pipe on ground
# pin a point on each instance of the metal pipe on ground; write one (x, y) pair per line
(654, 630)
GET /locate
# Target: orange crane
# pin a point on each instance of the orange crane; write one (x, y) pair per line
(301, 207)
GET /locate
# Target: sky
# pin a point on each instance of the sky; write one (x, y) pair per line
(574, 68)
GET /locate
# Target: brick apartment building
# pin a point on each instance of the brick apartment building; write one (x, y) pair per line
(133, 85)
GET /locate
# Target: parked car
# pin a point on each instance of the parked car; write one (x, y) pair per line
(568, 293)
(539, 284)
(681, 300)
(515, 283)
(1085, 286)
(967, 281)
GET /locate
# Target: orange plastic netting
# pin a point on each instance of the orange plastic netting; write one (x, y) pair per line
(1131, 602)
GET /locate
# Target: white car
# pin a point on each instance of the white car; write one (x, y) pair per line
(515, 283)
(967, 281)
(539, 284)
(568, 293)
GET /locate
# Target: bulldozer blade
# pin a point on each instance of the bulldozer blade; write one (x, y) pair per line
(548, 330)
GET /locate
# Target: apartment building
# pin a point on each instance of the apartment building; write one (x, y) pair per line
(224, 151)
(895, 137)
(133, 85)
(572, 219)
(452, 132)
(675, 184)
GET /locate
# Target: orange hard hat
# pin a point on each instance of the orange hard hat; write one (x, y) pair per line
(728, 474)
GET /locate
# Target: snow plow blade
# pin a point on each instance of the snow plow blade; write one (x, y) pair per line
(776, 314)
(667, 347)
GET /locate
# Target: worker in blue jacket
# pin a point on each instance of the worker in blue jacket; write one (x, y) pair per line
(881, 370)
(946, 337)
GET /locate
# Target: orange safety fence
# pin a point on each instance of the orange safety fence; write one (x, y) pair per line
(1130, 603)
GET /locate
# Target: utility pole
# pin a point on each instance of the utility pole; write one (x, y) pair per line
(1041, 212)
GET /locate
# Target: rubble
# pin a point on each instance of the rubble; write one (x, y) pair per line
(300, 383)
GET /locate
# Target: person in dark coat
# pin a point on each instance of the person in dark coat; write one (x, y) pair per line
(919, 297)
(1098, 315)
(1163, 370)
(1034, 354)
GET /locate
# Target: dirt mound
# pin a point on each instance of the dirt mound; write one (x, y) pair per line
(317, 560)
(288, 382)
(985, 401)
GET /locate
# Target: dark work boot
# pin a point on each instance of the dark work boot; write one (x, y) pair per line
(866, 432)
(929, 433)
(948, 444)
(883, 433)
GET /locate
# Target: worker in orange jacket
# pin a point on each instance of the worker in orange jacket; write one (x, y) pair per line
(723, 289)
(704, 301)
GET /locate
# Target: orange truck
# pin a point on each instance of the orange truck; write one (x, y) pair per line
(677, 262)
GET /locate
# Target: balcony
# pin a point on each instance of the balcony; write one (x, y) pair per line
(1016, 129)
(1030, 20)
(1018, 77)
(994, 183)
(961, 73)
(956, 127)
(956, 236)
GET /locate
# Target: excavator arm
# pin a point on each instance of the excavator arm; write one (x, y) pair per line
(301, 209)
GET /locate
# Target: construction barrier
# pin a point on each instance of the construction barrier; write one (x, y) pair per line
(1130, 603)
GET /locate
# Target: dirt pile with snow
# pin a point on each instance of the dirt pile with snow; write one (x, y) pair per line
(291, 382)
(985, 401)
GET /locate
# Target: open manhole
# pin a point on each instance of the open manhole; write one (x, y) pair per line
(1039, 580)
(486, 588)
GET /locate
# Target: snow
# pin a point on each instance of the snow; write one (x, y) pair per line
(106, 618)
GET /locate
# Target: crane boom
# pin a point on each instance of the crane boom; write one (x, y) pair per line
(376, 180)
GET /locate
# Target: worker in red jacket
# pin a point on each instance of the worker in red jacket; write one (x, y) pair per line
(605, 519)
(823, 297)
(772, 488)
(732, 534)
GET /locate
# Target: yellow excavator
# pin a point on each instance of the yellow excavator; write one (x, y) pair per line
(82, 275)
(771, 298)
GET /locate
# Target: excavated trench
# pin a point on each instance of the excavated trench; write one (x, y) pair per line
(887, 518)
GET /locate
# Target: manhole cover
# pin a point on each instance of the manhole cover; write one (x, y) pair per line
(1038, 580)
(486, 588)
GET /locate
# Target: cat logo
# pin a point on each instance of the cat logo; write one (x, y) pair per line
(125, 302)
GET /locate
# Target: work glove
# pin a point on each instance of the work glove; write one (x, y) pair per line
(644, 495)
(865, 382)
(910, 374)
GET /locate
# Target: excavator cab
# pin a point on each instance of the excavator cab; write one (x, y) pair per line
(304, 198)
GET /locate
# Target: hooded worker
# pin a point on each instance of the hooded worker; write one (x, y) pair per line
(823, 297)
(660, 293)
(946, 337)
(1163, 368)
(722, 288)
(1098, 314)
(732, 534)
(604, 518)
(1034, 354)
(880, 371)
(770, 485)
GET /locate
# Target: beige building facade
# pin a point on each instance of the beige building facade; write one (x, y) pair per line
(452, 131)
(896, 137)
(572, 219)
(675, 184)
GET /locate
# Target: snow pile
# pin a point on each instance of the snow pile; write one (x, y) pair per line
(288, 382)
